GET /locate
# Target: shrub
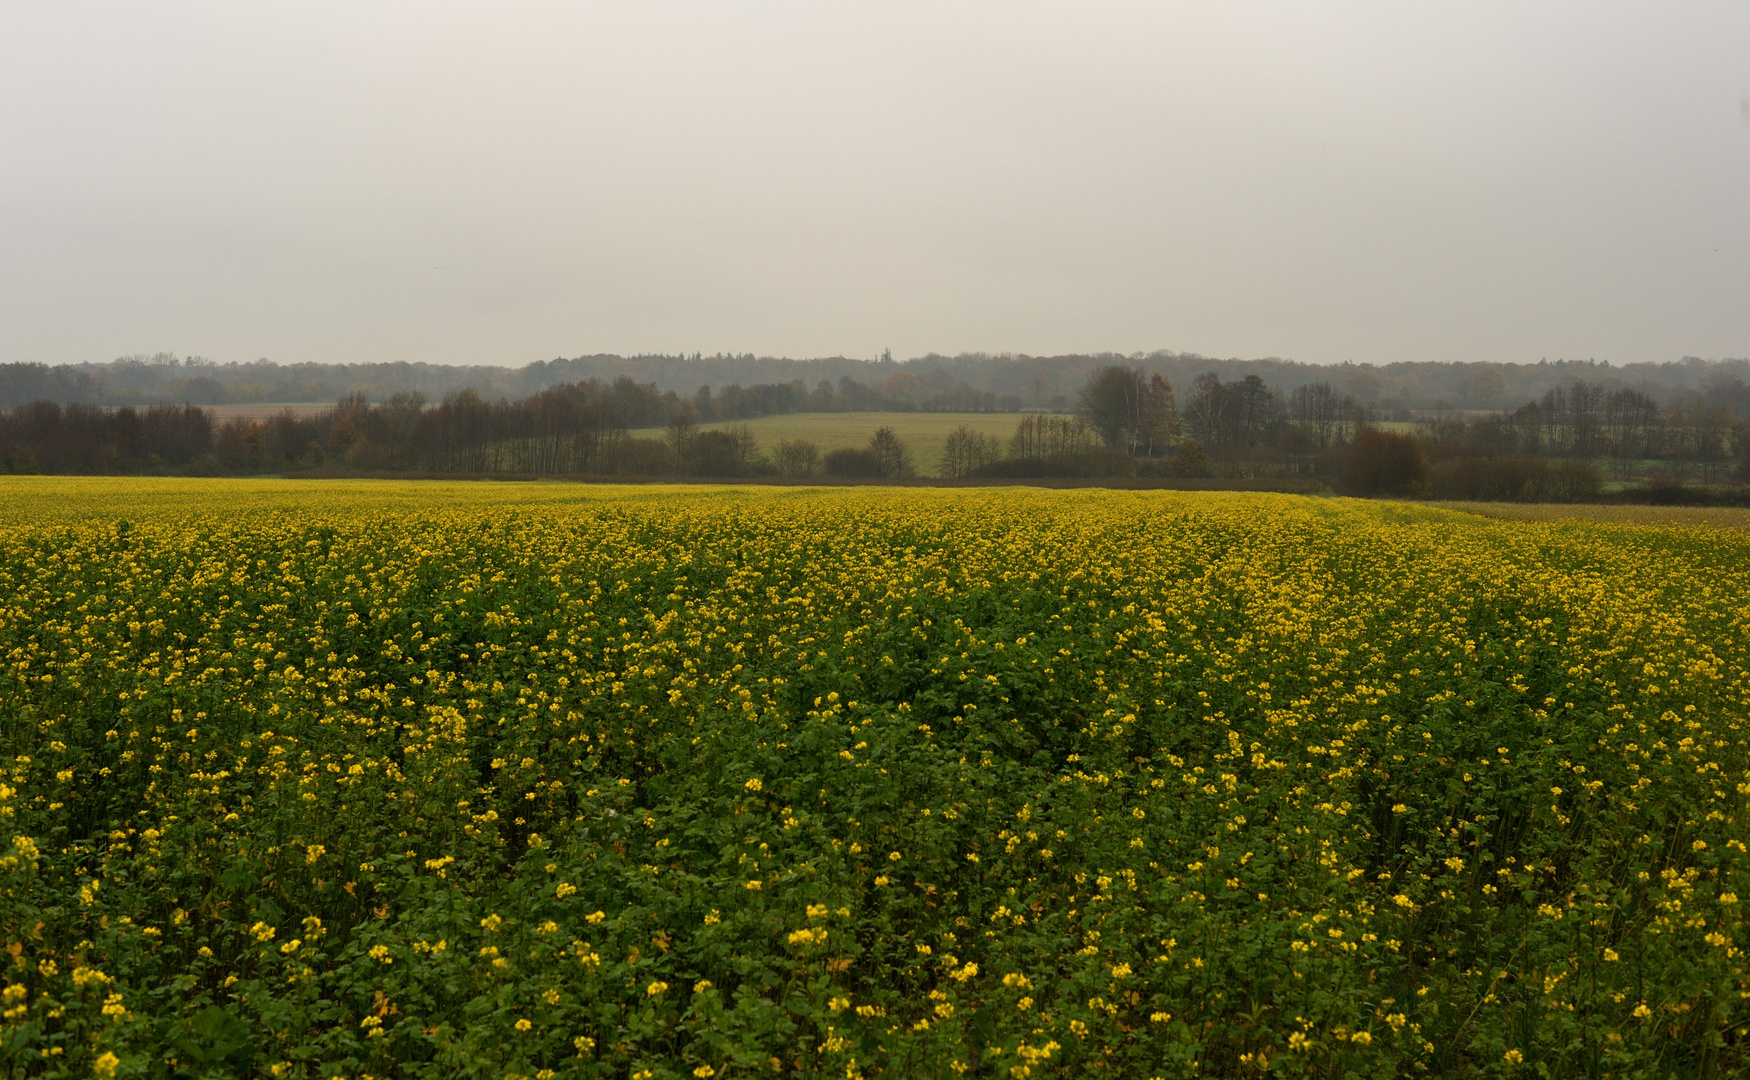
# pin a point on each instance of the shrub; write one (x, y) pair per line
(1190, 460)
(1519, 478)
(1384, 464)
(1573, 480)
(1483, 479)
(1092, 463)
(716, 453)
(645, 457)
(797, 457)
(852, 464)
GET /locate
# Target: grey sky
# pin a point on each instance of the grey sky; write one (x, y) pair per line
(505, 182)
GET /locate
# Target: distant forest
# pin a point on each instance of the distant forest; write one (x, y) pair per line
(970, 382)
(1587, 434)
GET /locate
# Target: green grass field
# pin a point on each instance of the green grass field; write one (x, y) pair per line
(924, 433)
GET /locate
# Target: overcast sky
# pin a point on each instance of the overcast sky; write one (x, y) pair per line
(512, 181)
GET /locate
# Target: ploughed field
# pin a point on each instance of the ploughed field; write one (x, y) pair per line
(450, 780)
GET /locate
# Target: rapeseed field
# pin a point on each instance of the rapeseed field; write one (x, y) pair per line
(373, 780)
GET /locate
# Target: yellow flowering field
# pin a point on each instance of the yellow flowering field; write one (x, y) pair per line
(384, 780)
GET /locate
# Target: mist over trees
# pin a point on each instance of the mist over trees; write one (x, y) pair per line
(743, 385)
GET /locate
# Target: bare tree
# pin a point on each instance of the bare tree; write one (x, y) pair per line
(967, 451)
(892, 456)
(797, 457)
(681, 429)
(1042, 435)
(1209, 410)
(1317, 407)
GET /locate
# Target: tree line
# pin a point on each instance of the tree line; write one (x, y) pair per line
(960, 383)
(1125, 422)
(828, 386)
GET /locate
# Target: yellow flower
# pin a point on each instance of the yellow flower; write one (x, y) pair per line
(655, 989)
(524, 1024)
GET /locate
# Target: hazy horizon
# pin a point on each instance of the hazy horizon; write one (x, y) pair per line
(462, 184)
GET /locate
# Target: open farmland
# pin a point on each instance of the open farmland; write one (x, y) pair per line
(367, 779)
